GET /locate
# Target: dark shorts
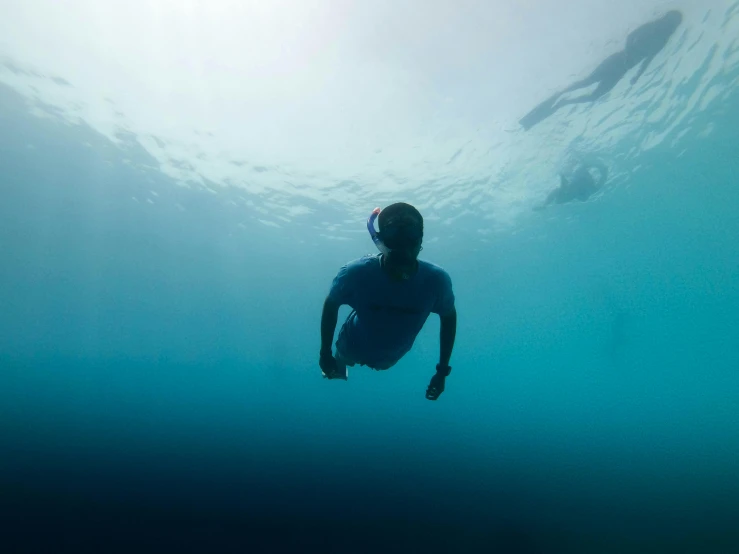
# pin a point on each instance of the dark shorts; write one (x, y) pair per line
(347, 360)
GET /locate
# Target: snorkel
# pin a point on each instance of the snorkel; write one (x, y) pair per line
(374, 234)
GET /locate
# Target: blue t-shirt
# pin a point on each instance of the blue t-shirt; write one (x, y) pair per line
(388, 314)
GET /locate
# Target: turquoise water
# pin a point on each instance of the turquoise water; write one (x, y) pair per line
(159, 331)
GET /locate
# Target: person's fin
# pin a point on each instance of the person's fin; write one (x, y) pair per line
(539, 113)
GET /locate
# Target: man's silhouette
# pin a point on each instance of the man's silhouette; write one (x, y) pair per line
(642, 45)
(581, 185)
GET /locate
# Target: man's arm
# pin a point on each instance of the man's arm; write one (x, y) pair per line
(447, 334)
(329, 318)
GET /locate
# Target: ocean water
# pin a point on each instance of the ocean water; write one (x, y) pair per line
(173, 210)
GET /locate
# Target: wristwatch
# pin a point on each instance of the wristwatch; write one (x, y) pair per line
(443, 370)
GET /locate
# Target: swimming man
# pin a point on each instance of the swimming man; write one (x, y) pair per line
(642, 45)
(580, 186)
(391, 296)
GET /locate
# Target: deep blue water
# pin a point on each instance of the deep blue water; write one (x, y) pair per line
(159, 387)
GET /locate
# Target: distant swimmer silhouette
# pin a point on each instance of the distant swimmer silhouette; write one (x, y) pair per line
(580, 186)
(642, 45)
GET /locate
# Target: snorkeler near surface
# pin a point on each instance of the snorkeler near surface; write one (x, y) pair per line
(391, 295)
(580, 186)
(642, 45)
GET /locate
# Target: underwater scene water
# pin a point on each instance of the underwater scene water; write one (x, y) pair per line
(181, 182)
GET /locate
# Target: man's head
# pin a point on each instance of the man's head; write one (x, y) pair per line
(673, 18)
(401, 229)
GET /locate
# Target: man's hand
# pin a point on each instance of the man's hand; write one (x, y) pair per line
(329, 367)
(436, 386)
